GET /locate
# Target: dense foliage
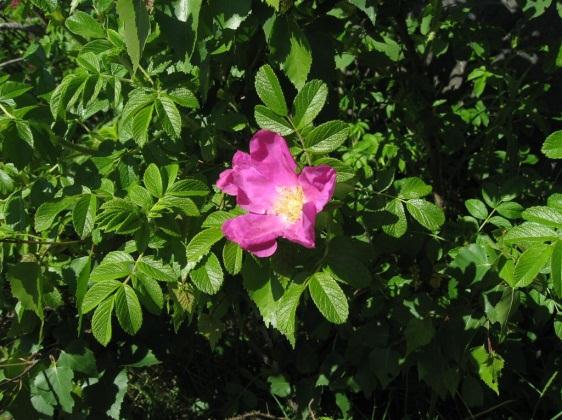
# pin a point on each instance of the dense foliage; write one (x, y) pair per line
(434, 289)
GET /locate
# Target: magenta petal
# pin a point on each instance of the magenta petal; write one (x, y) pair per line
(302, 231)
(271, 155)
(226, 182)
(318, 184)
(256, 233)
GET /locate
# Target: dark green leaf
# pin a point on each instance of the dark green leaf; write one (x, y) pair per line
(269, 90)
(128, 309)
(328, 297)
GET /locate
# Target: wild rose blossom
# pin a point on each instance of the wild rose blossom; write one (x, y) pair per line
(280, 202)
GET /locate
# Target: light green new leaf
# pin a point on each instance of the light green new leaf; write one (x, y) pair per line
(309, 102)
(328, 297)
(556, 268)
(490, 366)
(201, 243)
(141, 122)
(299, 60)
(269, 120)
(397, 228)
(97, 294)
(413, 187)
(530, 263)
(208, 276)
(269, 90)
(476, 208)
(426, 214)
(134, 16)
(101, 321)
(128, 309)
(156, 269)
(543, 215)
(552, 146)
(530, 232)
(153, 180)
(83, 24)
(84, 214)
(232, 257)
(169, 116)
(327, 137)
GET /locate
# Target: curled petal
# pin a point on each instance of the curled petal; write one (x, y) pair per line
(256, 233)
(226, 182)
(302, 231)
(318, 184)
(271, 155)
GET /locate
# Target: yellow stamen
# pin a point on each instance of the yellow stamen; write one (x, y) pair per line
(289, 203)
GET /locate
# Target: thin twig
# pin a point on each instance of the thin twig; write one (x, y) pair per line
(254, 415)
(9, 26)
(11, 62)
(26, 241)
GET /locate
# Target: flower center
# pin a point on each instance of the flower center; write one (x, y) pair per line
(289, 203)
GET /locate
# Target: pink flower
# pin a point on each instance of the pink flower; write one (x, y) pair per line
(280, 202)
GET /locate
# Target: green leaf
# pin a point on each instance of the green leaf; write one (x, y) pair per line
(530, 232)
(81, 268)
(309, 102)
(156, 269)
(201, 243)
(510, 210)
(232, 257)
(476, 208)
(101, 321)
(552, 146)
(141, 122)
(543, 215)
(188, 188)
(426, 214)
(128, 309)
(530, 263)
(25, 132)
(208, 275)
(279, 386)
(169, 115)
(556, 268)
(327, 137)
(489, 365)
(55, 384)
(328, 297)
(115, 265)
(419, 332)
(299, 60)
(47, 212)
(184, 97)
(152, 289)
(188, 11)
(286, 310)
(153, 180)
(141, 197)
(182, 204)
(367, 7)
(133, 15)
(412, 187)
(84, 214)
(26, 287)
(269, 120)
(269, 90)
(85, 25)
(97, 294)
(399, 226)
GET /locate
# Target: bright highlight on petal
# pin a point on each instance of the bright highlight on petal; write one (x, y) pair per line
(280, 202)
